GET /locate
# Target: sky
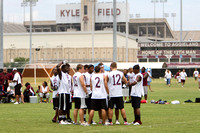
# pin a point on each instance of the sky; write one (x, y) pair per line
(46, 10)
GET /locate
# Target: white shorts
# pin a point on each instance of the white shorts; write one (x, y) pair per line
(42, 94)
(145, 90)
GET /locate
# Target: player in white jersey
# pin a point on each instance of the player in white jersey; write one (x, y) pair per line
(55, 83)
(105, 73)
(115, 78)
(100, 91)
(131, 77)
(87, 76)
(64, 92)
(183, 76)
(196, 74)
(80, 93)
(136, 94)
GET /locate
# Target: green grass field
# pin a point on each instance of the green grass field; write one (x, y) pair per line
(181, 118)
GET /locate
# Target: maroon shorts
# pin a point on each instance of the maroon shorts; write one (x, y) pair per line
(182, 81)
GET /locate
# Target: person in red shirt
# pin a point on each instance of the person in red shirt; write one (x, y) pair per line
(4, 79)
(3, 82)
(145, 84)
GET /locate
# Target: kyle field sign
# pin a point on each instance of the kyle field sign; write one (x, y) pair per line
(71, 13)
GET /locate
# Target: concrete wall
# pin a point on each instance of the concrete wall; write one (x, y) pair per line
(75, 46)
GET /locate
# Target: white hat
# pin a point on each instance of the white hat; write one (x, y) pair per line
(14, 69)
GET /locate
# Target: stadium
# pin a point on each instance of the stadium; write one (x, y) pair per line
(84, 34)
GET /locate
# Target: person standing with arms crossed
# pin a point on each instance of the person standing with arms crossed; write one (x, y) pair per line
(136, 94)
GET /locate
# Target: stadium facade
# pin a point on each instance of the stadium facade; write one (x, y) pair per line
(70, 37)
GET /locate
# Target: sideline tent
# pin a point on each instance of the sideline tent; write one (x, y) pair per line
(106, 68)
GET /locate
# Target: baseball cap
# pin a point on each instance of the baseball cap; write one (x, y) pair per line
(102, 66)
(14, 69)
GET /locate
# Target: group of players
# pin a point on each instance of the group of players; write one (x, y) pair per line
(94, 89)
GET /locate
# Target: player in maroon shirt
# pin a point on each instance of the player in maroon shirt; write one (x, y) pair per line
(3, 82)
(145, 84)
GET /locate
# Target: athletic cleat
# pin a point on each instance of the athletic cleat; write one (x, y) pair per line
(117, 122)
(62, 122)
(54, 120)
(108, 123)
(86, 124)
(16, 103)
(69, 120)
(82, 124)
(100, 121)
(94, 123)
(136, 124)
(67, 123)
(75, 123)
(126, 123)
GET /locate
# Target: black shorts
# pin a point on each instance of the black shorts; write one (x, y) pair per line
(80, 103)
(98, 104)
(135, 102)
(65, 102)
(88, 101)
(118, 101)
(130, 88)
(18, 89)
(55, 103)
(195, 78)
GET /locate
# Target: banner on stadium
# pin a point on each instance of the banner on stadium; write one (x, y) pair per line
(169, 52)
(169, 44)
(71, 13)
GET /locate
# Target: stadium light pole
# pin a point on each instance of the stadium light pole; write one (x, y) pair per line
(154, 2)
(93, 29)
(31, 17)
(163, 1)
(137, 15)
(32, 2)
(1, 34)
(166, 15)
(173, 16)
(181, 20)
(24, 4)
(127, 29)
(114, 30)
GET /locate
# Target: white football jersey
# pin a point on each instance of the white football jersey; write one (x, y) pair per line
(183, 75)
(131, 77)
(55, 81)
(137, 90)
(115, 83)
(87, 82)
(78, 89)
(70, 82)
(105, 73)
(98, 87)
(64, 84)
(196, 73)
(17, 78)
